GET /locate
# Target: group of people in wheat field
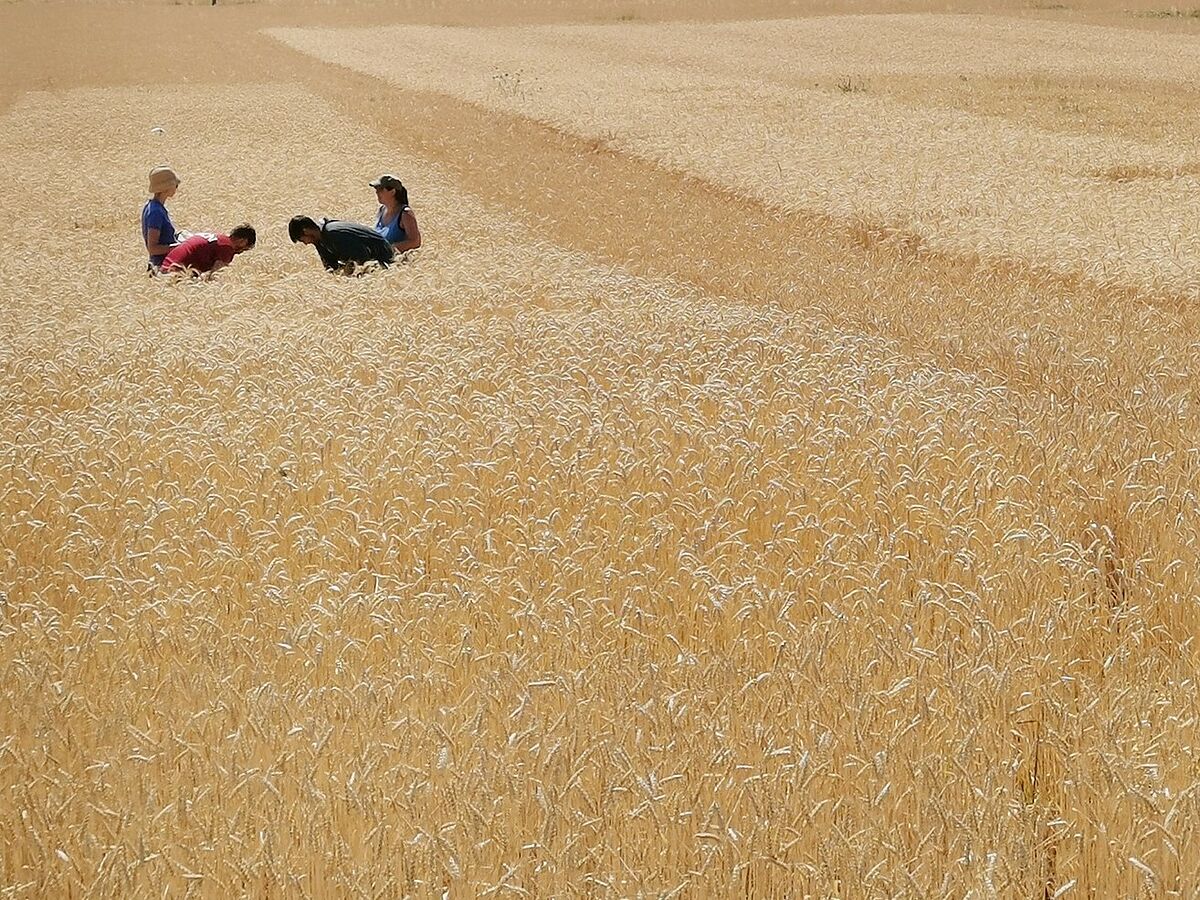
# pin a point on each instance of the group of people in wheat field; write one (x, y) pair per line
(343, 247)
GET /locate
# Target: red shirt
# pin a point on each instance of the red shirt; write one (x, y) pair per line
(200, 252)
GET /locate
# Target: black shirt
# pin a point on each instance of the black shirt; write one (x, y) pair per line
(343, 242)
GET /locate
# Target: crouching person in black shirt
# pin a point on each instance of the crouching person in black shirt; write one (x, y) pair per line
(341, 245)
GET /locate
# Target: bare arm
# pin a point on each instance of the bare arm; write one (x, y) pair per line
(153, 246)
(412, 232)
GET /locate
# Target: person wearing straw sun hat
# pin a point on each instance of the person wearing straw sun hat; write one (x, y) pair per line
(158, 232)
(396, 221)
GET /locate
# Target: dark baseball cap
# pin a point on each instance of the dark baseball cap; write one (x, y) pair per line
(391, 182)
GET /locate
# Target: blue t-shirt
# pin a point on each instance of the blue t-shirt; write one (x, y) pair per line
(154, 215)
(393, 232)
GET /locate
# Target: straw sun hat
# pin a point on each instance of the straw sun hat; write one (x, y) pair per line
(162, 178)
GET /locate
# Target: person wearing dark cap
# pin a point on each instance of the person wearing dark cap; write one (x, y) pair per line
(396, 221)
(341, 245)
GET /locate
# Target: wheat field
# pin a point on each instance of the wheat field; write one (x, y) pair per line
(550, 563)
(741, 105)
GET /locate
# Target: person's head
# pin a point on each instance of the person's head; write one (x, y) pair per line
(303, 230)
(163, 182)
(243, 238)
(390, 191)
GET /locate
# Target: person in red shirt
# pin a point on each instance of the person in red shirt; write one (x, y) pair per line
(203, 254)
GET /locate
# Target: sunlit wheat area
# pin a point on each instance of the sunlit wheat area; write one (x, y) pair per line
(776, 475)
(786, 112)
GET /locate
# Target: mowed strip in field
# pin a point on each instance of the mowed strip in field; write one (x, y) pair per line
(747, 106)
(505, 568)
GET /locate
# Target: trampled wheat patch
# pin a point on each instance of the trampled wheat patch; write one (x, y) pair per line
(509, 572)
